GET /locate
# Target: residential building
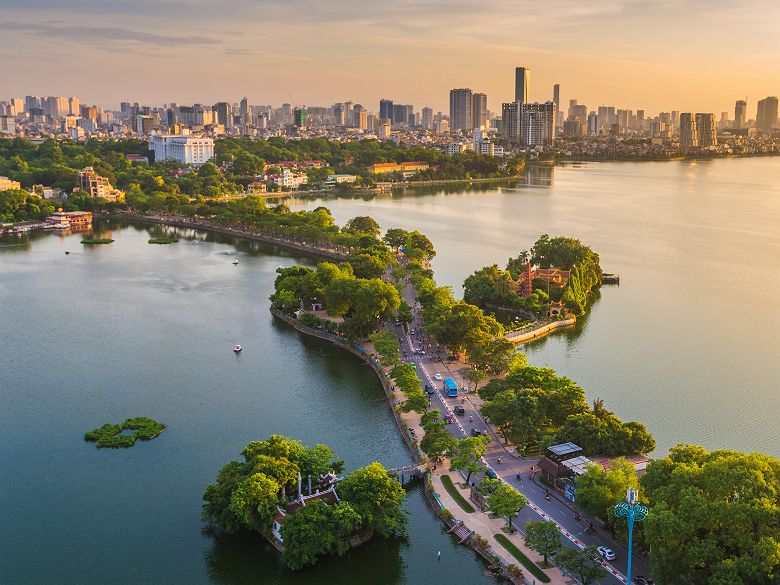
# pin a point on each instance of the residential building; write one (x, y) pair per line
(766, 115)
(7, 125)
(98, 186)
(386, 110)
(537, 125)
(427, 118)
(288, 179)
(189, 150)
(461, 109)
(510, 117)
(299, 117)
(7, 184)
(689, 137)
(706, 130)
(479, 110)
(338, 179)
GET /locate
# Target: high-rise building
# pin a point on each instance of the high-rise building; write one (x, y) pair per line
(689, 137)
(299, 117)
(383, 130)
(510, 121)
(73, 106)
(427, 118)
(740, 114)
(461, 109)
(224, 114)
(479, 110)
(522, 84)
(355, 120)
(537, 125)
(339, 114)
(386, 110)
(706, 130)
(557, 100)
(593, 123)
(361, 119)
(766, 115)
(244, 113)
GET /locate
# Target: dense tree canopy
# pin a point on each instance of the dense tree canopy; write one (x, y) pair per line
(713, 517)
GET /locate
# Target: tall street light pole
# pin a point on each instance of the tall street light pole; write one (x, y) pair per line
(632, 511)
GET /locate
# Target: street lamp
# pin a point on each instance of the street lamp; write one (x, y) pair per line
(632, 511)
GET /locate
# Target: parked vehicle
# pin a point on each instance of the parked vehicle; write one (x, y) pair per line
(606, 552)
(641, 580)
(449, 419)
(459, 410)
(490, 473)
(478, 433)
(428, 389)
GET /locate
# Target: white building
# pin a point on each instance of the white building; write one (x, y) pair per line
(190, 150)
(288, 179)
(537, 126)
(342, 178)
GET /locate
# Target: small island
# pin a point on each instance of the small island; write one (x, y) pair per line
(110, 435)
(163, 240)
(97, 241)
(292, 495)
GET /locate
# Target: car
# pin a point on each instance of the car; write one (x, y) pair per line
(397, 323)
(478, 433)
(490, 473)
(459, 410)
(642, 580)
(437, 376)
(606, 552)
(411, 332)
(449, 419)
(428, 389)
(411, 363)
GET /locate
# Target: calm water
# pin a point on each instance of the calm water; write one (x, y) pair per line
(689, 342)
(132, 329)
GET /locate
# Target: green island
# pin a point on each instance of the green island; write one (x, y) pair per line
(97, 241)
(163, 240)
(292, 495)
(109, 435)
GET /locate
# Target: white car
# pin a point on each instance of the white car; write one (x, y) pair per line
(607, 553)
(437, 376)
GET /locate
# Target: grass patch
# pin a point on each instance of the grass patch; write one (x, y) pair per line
(532, 567)
(109, 434)
(456, 495)
(163, 240)
(96, 241)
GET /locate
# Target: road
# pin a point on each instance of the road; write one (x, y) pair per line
(499, 457)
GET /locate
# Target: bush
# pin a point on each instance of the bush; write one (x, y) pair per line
(108, 435)
(524, 560)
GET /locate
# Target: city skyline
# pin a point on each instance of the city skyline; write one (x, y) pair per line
(617, 53)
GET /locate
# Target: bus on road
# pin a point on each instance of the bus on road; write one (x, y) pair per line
(451, 387)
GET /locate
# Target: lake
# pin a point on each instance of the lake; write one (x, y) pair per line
(132, 329)
(688, 342)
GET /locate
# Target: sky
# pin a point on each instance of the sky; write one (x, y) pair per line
(657, 55)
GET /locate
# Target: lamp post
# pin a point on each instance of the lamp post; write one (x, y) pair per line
(632, 511)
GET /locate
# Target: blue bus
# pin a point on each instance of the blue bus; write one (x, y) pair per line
(451, 387)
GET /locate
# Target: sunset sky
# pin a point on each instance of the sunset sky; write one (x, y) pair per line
(696, 55)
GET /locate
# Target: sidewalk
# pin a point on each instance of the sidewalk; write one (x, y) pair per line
(487, 528)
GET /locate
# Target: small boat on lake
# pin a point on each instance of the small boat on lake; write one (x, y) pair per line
(237, 348)
(66, 252)
(235, 262)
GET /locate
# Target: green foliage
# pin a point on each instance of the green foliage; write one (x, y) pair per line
(606, 434)
(505, 501)
(544, 538)
(363, 225)
(524, 560)
(437, 439)
(455, 494)
(466, 455)
(163, 240)
(316, 530)
(598, 490)
(377, 497)
(585, 563)
(713, 517)
(395, 237)
(253, 501)
(109, 434)
(19, 205)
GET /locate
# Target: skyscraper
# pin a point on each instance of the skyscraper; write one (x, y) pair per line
(244, 112)
(688, 134)
(706, 130)
(427, 118)
(461, 109)
(740, 114)
(766, 116)
(557, 100)
(510, 121)
(299, 117)
(386, 109)
(479, 110)
(522, 83)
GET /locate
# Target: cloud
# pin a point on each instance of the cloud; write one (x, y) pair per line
(104, 34)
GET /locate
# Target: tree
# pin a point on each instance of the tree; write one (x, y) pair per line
(586, 563)
(396, 237)
(387, 347)
(377, 497)
(544, 538)
(437, 440)
(713, 517)
(475, 376)
(416, 240)
(317, 529)
(367, 265)
(363, 224)
(494, 355)
(254, 501)
(598, 490)
(506, 501)
(467, 454)
(405, 314)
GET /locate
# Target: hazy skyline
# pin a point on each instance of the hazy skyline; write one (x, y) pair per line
(692, 55)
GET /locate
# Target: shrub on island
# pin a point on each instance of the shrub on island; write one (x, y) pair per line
(163, 240)
(96, 241)
(109, 434)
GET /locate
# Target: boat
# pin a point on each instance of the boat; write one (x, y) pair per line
(235, 262)
(66, 252)
(237, 348)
